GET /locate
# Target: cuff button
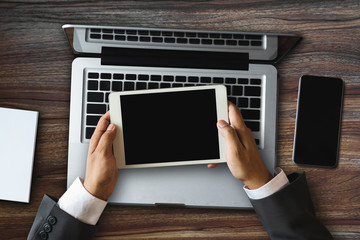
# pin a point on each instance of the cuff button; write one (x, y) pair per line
(47, 227)
(43, 235)
(51, 220)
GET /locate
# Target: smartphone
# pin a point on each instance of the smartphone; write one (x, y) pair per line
(318, 120)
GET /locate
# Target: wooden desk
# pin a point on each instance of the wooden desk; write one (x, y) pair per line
(35, 63)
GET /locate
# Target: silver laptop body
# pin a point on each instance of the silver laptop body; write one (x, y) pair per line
(128, 58)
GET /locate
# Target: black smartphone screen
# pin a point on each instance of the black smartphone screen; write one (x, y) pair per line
(318, 121)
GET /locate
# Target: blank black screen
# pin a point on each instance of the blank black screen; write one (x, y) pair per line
(318, 121)
(170, 127)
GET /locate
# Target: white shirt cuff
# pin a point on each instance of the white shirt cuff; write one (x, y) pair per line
(279, 181)
(80, 204)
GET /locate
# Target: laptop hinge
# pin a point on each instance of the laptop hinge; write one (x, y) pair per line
(174, 58)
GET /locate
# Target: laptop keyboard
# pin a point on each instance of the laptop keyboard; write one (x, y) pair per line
(175, 37)
(244, 92)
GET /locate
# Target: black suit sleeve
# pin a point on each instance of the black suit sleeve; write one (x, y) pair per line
(53, 223)
(289, 213)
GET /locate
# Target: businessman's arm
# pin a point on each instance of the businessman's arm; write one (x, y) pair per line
(78, 210)
(284, 207)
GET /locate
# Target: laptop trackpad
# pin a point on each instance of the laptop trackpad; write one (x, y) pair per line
(192, 186)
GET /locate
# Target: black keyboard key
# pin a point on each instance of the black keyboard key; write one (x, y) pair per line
(243, 43)
(218, 80)
(96, 108)
(193, 79)
(165, 85)
(145, 39)
(168, 78)
(89, 132)
(214, 35)
(243, 102)
(155, 33)
(105, 76)
(256, 37)
(205, 79)
(132, 38)
(96, 30)
(105, 30)
(120, 37)
(256, 43)
(105, 85)
(169, 40)
(255, 81)
(250, 114)
(180, 79)
(157, 39)
(119, 31)
(140, 85)
(206, 41)
(178, 85)
(95, 97)
(143, 77)
(131, 32)
(219, 42)
(130, 76)
(179, 34)
(93, 75)
(238, 36)
(203, 35)
(167, 34)
(243, 81)
(143, 32)
(190, 34)
(129, 86)
(107, 100)
(116, 86)
(226, 35)
(95, 36)
(182, 40)
(92, 120)
(230, 80)
(107, 37)
(228, 90)
(231, 42)
(237, 90)
(118, 76)
(252, 91)
(155, 78)
(254, 126)
(93, 85)
(255, 103)
(153, 85)
(257, 141)
(194, 41)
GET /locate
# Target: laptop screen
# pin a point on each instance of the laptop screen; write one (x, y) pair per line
(170, 126)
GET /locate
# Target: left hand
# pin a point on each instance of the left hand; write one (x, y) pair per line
(101, 169)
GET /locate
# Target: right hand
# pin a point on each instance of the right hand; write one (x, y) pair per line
(242, 154)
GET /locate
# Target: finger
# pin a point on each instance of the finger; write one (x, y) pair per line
(212, 165)
(107, 139)
(101, 127)
(237, 122)
(229, 134)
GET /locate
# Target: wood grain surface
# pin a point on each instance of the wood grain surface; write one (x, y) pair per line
(35, 64)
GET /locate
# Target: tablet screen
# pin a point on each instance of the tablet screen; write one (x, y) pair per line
(170, 126)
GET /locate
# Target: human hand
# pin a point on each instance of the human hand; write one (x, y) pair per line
(101, 169)
(242, 155)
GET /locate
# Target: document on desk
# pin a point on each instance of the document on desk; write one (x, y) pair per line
(17, 147)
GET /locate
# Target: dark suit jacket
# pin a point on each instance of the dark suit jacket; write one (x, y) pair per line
(286, 214)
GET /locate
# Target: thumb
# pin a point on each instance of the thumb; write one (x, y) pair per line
(228, 133)
(107, 139)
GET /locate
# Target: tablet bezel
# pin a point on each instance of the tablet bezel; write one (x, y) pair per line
(116, 119)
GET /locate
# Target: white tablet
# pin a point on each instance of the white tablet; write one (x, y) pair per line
(168, 127)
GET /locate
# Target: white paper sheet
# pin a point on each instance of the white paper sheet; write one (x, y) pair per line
(17, 147)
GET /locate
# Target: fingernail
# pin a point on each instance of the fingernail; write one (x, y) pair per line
(110, 127)
(222, 123)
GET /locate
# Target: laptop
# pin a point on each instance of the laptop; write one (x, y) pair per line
(131, 58)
